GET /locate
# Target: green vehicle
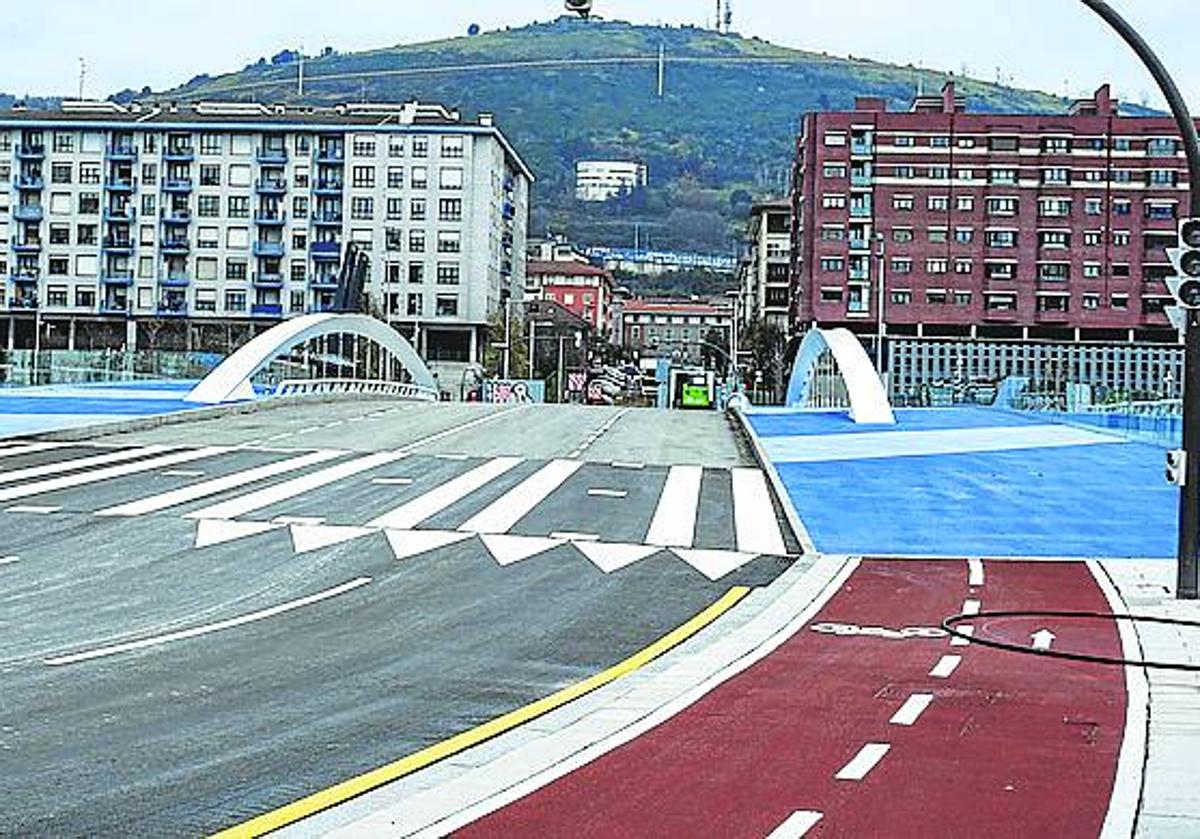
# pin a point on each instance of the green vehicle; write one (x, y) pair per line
(696, 394)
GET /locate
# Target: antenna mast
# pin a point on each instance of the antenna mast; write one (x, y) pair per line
(728, 16)
(82, 76)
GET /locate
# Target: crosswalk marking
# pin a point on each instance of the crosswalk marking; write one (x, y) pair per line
(508, 550)
(754, 515)
(409, 543)
(610, 557)
(314, 537)
(297, 486)
(674, 523)
(207, 488)
(97, 475)
(30, 448)
(78, 463)
(714, 564)
(211, 532)
(408, 516)
(518, 502)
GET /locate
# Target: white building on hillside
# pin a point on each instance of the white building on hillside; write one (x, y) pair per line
(601, 180)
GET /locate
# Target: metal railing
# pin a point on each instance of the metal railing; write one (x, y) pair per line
(317, 387)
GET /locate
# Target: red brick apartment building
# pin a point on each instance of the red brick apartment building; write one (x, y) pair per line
(989, 225)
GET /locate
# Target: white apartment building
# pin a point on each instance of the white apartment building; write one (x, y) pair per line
(765, 274)
(600, 180)
(117, 222)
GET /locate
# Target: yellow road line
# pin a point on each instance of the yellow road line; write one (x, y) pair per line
(346, 790)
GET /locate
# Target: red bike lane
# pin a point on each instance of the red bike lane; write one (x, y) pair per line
(864, 729)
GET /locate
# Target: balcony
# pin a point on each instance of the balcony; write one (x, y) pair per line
(859, 211)
(328, 187)
(28, 212)
(266, 310)
(272, 157)
(862, 148)
(121, 154)
(174, 281)
(24, 278)
(27, 247)
(31, 152)
(860, 273)
(25, 302)
(173, 308)
(114, 307)
(272, 186)
(331, 156)
(117, 278)
(327, 219)
(177, 185)
(270, 250)
(331, 251)
(275, 219)
(861, 180)
(175, 247)
(859, 245)
(30, 183)
(177, 218)
(326, 282)
(117, 245)
(179, 153)
(120, 215)
(268, 280)
(121, 184)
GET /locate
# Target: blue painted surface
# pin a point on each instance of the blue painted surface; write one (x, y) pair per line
(788, 424)
(29, 410)
(1076, 501)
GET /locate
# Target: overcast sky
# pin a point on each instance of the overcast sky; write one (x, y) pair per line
(1053, 45)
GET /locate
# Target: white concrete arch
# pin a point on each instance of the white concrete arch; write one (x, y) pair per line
(868, 399)
(231, 380)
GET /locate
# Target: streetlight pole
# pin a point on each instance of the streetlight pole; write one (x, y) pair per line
(882, 326)
(561, 369)
(1187, 587)
(532, 345)
(507, 334)
(37, 344)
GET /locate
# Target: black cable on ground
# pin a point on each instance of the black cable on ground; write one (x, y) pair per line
(950, 625)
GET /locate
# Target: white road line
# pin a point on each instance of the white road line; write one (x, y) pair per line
(159, 640)
(971, 607)
(502, 514)
(674, 524)
(194, 492)
(863, 762)
(754, 515)
(31, 448)
(572, 536)
(975, 573)
(303, 521)
(962, 642)
(79, 463)
(392, 482)
(946, 665)
(617, 464)
(183, 473)
(912, 709)
(33, 510)
(796, 825)
(98, 475)
(608, 493)
(267, 496)
(9, 560)
(408, 515)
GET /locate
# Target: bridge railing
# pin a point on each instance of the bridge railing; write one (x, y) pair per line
(320, 387)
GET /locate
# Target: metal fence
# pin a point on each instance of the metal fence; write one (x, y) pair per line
(1113, 373)
(48, 367)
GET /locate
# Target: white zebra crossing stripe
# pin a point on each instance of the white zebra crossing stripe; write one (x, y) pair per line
(508, 550)
(307, 538)
(98, 475)
(518, 502)
(30, 448)
(409, 515)
(754, 515)
(78, 463)
(409, 543)
(207, 488)
(610, 557)
(714, 564)
(674, 524)
(211, 532)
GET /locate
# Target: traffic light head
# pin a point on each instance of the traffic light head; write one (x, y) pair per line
(1185, 285)
(1189, 233)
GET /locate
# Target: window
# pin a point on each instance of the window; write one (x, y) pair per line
(298, 270)
(64, 142)
(1122, 207)
(1091, 270)
(208, 206)
(1162, 147)
(210, 144)
(239, 175)
(1120, 301)
(939, 173)
(363, 145)
(1122, 176)
(901, 265)
(939, 142)
(833, 233)
(905, 140)
(149, 205)
(835, 138)
(966, 142)
(1093, 206)
(1002, 206)
(1000, 302)
(420, 177)
(901, 297)
(85, 298)
(449, 241)
(902, 203)
(86, 234)
(1121, 238)
(299, 240)
(146, 234)
(452, 147)
(393, 239)
(235, 301)
(235, 269)
(450, 209)
(239, 206)
(1054, 207)
(362, 209)
(395, 177)
(237, 238)
(833, 263)
(1056, 271)
(416, 241)
(1093, 175)
(1054, 239)
(1004, 143)
(363, 177)
(206, 269)
(296, 301)
(834, 170)
(396, 146)
(936, 297)
(906, 172)
(936, 266)
(447, 306)
(1056, 145)
(831, 295)
(1000, 238)
(60, 173)
(965, 203)
(60, 266)
(416, 209)
(1162, 177)
(420, 148)
(1120, 269)
(833, 202)
(416, 272)
(210, 174)
(56, 295)
(450, 179)
(89, 173)
(962, 298)
(1092, 238)
(416, 305)
(447, 273)
(964, 235)
(60, 234)
(1053, 303)
(1000, 270)
(208, 238)
(303, 144)
(965, 174)
(938, 235)
(939, 203)
(1091, 301)
(1056, 175)
(963, 266)
(902, 235)
(1003, 176)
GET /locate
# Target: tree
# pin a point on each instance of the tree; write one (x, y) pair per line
(768, 346)
(715, 349)
(493, 356)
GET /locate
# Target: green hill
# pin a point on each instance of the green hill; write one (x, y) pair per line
(722, 135)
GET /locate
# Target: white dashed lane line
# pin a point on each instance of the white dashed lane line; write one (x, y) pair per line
(971, 607)
(975, 576)
(608, 493)
(912, 709)
(9, 560)
(946, 665)
(860, 766)
(962, 642)
(796, 825)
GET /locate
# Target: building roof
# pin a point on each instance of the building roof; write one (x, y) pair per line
(563, 269)
(674, 307)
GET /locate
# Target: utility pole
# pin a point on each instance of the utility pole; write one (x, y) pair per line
(82, 76)
(562, 341)
(507, 334)
(662, 70)
(1189, 497)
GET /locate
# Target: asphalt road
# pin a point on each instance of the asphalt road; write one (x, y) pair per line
(206, 621)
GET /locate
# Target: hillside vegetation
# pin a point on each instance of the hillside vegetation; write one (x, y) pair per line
(722, 135)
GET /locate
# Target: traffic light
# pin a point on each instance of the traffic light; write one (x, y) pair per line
(1185, 258)
(1177, 467)
(583, 8)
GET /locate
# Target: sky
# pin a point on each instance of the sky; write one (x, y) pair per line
(1057, 46)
